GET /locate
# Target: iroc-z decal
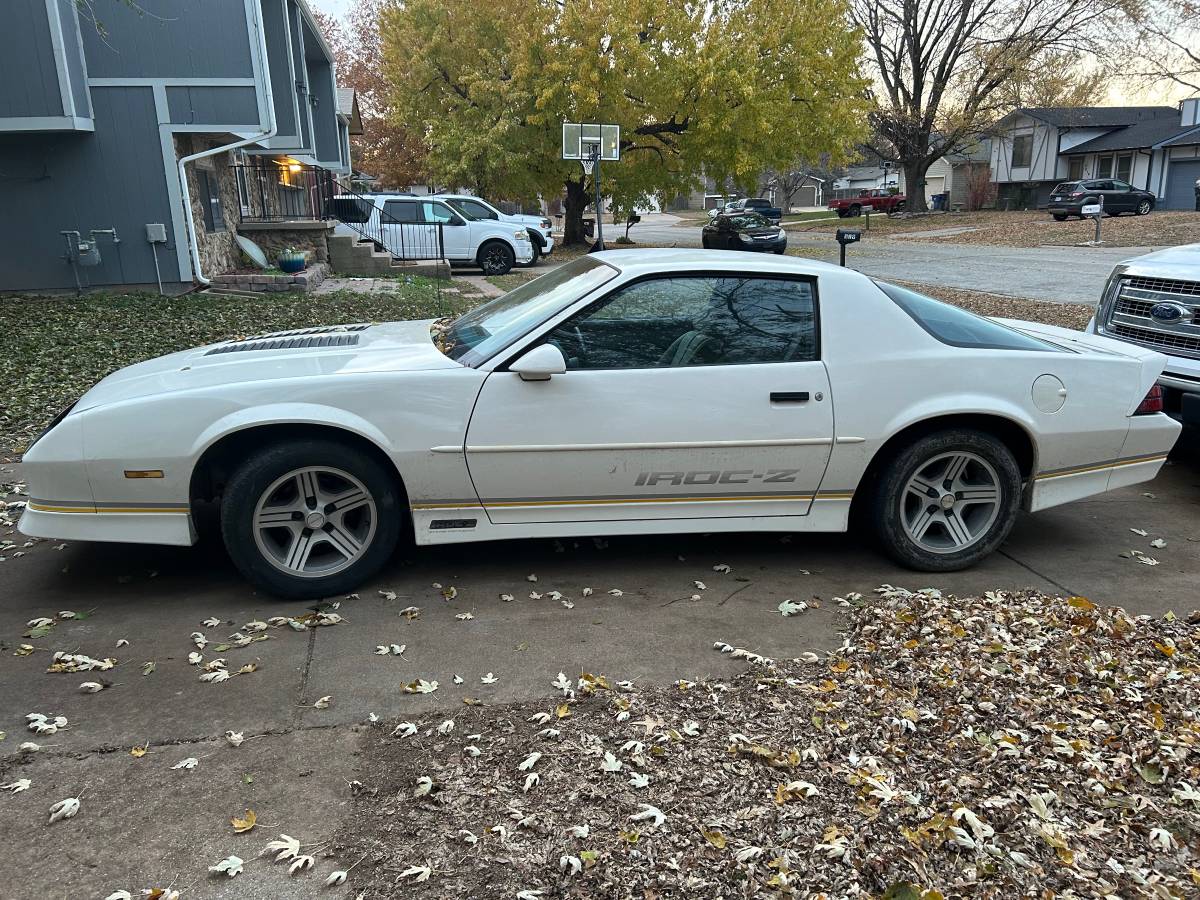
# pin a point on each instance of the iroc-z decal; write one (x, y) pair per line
(717, 476)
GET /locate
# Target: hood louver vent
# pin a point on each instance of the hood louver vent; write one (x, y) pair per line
(298, 339)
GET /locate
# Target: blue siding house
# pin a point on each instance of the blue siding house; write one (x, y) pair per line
(124, 150)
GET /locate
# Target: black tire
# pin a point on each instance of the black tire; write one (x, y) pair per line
(1143, 208)
(1060, 217)
(855, 210)
(704, 243)
(1111, 213)
(892, 499)
(496, 258)
(842, 213)
(268, 466)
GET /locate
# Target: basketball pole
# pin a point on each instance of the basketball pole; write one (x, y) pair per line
(596, 183)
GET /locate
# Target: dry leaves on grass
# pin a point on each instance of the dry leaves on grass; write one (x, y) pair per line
(999, 746)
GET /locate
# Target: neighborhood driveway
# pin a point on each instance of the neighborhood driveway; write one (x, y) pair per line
(1058, 274)
(144, 823)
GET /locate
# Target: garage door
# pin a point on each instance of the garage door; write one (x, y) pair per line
(1181, 181)
(934, 186)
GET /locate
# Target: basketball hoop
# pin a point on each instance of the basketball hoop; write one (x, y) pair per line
(588, 165)
(591, 143)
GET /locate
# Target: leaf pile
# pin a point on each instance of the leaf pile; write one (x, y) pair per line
(1014, 744)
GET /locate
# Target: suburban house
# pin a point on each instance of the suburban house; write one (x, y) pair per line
(1156, 148)
(130, 153)
(950, 174)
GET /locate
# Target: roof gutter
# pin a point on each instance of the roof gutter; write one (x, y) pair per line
(272, 128)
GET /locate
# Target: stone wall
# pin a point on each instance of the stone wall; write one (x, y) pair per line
(217, 249)
(308, 280)
(308, 236)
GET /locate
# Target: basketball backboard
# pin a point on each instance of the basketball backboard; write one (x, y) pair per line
(582, 139)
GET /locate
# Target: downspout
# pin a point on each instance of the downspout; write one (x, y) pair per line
(272, 130)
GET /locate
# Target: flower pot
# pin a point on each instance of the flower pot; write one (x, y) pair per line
(292, 262)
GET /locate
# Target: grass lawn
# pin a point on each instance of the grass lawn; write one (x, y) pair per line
(514, 279)
(809, 216)
(55, 348)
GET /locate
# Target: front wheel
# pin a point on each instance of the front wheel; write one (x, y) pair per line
(1060, 217)
(856, 210)
(496, 258)
(1143, 208)
(947, 501)
(310, 519)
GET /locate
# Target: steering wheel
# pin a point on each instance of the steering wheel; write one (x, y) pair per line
(571, 344)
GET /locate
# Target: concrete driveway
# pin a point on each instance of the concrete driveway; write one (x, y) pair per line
(144, 824)
(1059, 274)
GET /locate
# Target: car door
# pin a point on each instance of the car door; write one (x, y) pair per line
(402, 230)
(1121, 197)
(455, 230)
(689, 396)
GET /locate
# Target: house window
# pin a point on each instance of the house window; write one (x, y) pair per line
(1075, 168)
(1022, 151)
(1124, 166)
(1104, 167)
(210, 197)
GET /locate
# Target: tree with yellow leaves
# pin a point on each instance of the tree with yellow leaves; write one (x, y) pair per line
(726, 88)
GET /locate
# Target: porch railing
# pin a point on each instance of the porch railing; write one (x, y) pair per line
(272, 193)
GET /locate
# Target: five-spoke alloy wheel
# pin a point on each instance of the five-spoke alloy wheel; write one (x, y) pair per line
(310, 519)
(947, 500)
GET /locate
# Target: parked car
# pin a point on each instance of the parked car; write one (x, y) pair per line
(1153, 301)
(624, 392)
(540, 228)
(878, 200)
(743, 231)
(407, 227)
(1069, 198)
(758, 205)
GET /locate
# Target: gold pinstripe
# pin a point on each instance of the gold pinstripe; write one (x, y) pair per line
(831, 495)
(47, 507)
(1099, 467)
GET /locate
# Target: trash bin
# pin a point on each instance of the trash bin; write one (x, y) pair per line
(589, 227)
(939, 201)
(1198, 195)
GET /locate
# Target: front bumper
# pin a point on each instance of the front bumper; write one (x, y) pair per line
(523, 252)
(44, 520)
(776, 246)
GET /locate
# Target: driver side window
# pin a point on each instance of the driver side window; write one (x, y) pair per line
(694, 321)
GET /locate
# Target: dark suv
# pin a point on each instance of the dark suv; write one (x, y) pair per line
(1069, 198)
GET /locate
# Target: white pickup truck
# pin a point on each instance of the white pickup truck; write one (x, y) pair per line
(1154, 301)
(540, 228)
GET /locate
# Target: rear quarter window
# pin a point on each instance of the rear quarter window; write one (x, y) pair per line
(960, 328)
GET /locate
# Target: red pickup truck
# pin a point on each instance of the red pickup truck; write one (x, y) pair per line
(879, 201)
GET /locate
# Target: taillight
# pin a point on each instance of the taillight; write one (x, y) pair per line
(1077, 194)
(1153, 403)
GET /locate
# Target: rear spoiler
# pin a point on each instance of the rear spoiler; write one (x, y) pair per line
(1151, 363)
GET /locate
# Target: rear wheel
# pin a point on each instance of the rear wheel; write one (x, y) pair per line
(947, 501)
(1060, 217)
(842, 213)
(496, 258)
(310, 519)
(856, 210)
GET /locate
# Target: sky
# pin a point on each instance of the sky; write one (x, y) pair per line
(335, 7)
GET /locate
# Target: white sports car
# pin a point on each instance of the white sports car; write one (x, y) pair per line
(626, 392)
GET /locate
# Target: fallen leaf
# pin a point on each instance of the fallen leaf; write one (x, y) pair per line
(230, 865)
(64, 809)
(245, 823)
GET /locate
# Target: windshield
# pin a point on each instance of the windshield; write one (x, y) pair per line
(476, 336)
(959, 328)
(750, 220)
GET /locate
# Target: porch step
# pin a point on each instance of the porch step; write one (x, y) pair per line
(351, 256)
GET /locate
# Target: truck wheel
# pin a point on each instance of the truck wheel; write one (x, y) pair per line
(842, 213)
(856, 210)
(310, 518)
(947, 501)
(496, 258)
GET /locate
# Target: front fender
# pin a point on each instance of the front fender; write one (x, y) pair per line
(289, 414)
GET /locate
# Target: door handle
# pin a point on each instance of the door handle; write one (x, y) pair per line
(789, 396)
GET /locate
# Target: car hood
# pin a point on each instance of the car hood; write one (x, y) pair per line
(1182, 262)
(306, 352)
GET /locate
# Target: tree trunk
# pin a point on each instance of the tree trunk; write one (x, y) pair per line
(576, 203)
(914, 184)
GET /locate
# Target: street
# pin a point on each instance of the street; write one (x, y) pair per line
(1060, 274)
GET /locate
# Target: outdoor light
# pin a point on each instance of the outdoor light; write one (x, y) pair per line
(295, 167)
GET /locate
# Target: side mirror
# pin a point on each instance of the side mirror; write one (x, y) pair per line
(540, 363)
